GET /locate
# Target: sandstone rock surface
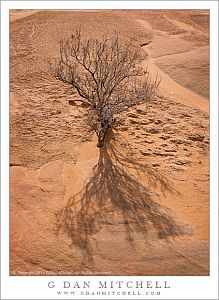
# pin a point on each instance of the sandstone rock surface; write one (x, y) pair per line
(141, 206)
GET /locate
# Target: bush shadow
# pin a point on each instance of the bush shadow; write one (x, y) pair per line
(114, 195)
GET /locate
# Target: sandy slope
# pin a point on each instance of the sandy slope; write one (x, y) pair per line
(21, 13)
(140, 206)
(173, 89)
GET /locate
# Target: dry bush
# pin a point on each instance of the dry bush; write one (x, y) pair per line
(107, 75)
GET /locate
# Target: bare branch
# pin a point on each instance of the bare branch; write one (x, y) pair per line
(106, 74)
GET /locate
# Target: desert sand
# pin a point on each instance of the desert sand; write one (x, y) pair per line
(140, 206)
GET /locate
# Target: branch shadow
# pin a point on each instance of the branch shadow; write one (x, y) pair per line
(114, 191)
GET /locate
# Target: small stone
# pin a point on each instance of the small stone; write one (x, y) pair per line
(169, 129)
(123, 128)
(171, 149)
(145, 134)
(184, 114)
(132, 115)
(182, 161)
(206, 140)
(145, 153)
(151, 119)
(155, 164)
(140, 111)
(171, 120)
(149, 141)
(161, 153)
(152, 130)
(143, 122)
(164, 137)
(167, 148)
(201, 145)
(179, 141)
(188, 153)
(196, 137)
(134, 121)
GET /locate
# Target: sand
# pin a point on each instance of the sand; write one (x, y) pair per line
(141, 205)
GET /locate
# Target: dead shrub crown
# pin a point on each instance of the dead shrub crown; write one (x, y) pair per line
(107, 75)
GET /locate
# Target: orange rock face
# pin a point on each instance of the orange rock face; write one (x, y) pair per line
(140, 206)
